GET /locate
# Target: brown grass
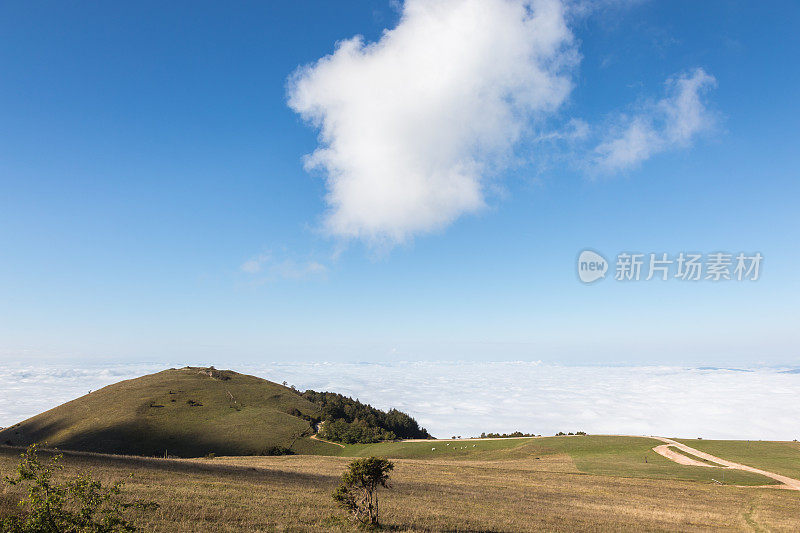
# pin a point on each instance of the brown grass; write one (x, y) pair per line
(528, 494)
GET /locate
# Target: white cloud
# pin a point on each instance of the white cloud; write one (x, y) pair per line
(272, 268)
(672, 122)
(411, 126)
(466, 398)
(254, 265)
(574, 130)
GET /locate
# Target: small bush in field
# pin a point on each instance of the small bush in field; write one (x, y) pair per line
(277, 450)
(358, 491)
(78, 504)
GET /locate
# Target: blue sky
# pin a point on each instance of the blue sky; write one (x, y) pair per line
(155, 205)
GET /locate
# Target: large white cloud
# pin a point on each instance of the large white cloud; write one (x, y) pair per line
(672, 122)
(411, 125)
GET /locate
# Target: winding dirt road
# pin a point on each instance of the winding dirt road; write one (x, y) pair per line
(314, 436)
(679, 458)
(664, 449)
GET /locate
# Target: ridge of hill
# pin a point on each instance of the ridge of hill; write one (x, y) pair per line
(186, 412)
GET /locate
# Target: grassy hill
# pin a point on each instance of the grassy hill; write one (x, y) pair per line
(187, 412)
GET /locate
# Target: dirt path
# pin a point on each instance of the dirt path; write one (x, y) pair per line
(663, 449)
(679, 458)
(329, 442)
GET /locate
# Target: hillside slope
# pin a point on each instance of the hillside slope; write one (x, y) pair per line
(187, 412)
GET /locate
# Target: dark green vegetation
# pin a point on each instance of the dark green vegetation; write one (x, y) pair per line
(778, 457)
(358, 491)
(512, 435)
(187, 412)
(79, 503)
(349, 421)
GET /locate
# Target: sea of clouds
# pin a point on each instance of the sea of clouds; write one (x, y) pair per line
(466, 398)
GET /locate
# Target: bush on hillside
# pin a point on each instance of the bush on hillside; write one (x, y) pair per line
(358, 491)
(277, 450)
(76, 504)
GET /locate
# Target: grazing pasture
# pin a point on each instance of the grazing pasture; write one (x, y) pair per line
(592, 483)
(594, 454)
(779, 457)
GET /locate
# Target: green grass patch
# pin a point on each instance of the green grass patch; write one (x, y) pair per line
(438, 449)
(592, 454)
(694, 457)
(778, 457)
(634, 457)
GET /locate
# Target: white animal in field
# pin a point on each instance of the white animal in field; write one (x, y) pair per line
(474, 445)
(433, 449)
(448, 444)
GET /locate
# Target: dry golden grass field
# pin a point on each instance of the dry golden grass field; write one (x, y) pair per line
(531, 485)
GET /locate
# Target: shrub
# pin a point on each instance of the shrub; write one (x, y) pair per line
(505, 435)
(277, 450)
(358, 491)
(76, 504)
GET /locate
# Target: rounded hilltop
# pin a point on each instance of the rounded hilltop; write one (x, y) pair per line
(185, 412)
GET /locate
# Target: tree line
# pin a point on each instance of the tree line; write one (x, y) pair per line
(349, 421)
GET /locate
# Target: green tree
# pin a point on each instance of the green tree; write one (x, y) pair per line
(76, 505)
(358, 491)
(350, 421)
